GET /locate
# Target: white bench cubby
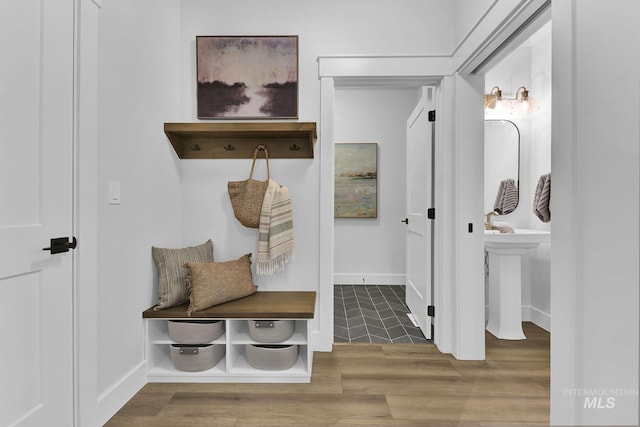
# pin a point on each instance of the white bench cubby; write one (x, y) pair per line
(233, 367)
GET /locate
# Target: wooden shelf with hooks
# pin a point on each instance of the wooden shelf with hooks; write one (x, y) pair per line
(239, 140)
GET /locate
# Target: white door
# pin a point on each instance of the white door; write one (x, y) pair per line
(419, 200)
(36, 189)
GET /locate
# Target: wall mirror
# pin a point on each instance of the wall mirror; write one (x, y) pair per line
(501, 166)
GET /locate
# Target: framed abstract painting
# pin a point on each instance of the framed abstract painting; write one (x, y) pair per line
(247, 77)
(356, 180)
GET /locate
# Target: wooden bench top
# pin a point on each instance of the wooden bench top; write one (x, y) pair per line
(261, 305)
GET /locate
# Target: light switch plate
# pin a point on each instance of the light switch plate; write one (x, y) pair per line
(114, 193)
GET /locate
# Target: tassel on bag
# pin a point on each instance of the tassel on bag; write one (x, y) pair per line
(247, 196)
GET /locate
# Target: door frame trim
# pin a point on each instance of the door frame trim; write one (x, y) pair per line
(87, 408)
(374, 72)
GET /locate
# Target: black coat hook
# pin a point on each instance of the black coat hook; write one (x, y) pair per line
(294, 147)
(196, 147)
(229, 147)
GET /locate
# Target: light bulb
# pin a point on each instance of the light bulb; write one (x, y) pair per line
(524, 104)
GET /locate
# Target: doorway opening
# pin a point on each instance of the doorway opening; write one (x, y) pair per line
(525, 66)
(370, 251)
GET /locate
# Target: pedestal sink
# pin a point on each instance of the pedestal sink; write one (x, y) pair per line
(505, 278)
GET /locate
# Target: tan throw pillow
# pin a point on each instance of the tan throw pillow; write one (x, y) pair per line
(172, 273)
(218, 282)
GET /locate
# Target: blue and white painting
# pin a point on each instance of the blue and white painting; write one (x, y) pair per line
(356, 180)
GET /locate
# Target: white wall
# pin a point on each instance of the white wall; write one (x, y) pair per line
(139, 58)
(335, 27)
(137, 91)
(467, 15)
(530, 65)
(363, 27)
(372, 250)
(137, 72)
(595, 170)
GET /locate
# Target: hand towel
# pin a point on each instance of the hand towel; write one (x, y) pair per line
(542, 198)
(504, 229)
(275, 232)
(507, 197)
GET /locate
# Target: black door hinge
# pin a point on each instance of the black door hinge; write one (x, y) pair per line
(431, 213)
(432, 116)
(61, 244)
(431, 311)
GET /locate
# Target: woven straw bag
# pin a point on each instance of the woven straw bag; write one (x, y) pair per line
(246, 196)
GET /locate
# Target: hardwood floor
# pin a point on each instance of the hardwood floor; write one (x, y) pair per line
(370, 385)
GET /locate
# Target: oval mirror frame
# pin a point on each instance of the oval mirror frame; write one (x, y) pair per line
(501, 160)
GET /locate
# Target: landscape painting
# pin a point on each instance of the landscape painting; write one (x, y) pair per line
(247, 77)
(356, 180)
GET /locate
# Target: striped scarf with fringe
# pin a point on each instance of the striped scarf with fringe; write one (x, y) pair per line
(275, 233)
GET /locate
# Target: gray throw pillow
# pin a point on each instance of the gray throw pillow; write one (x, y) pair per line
(172, 272)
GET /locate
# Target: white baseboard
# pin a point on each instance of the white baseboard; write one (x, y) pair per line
(110, 401)
(369, 279)
(530, 314)
(540, 318)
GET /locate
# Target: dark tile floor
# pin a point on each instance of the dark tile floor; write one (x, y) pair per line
(373, 314)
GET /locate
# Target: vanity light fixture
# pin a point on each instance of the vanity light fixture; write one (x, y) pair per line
(495, 103)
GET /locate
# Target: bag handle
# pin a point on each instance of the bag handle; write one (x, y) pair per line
(266, 157)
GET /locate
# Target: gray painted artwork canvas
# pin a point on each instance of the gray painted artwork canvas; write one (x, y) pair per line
(356, 180)
(245, 77)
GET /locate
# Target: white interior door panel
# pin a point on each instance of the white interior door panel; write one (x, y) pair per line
(36, 189)
(419, 200)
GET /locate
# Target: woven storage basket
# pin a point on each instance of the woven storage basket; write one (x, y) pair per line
(271, 331)
(271, 357)
(196, 358)
(195, 331)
